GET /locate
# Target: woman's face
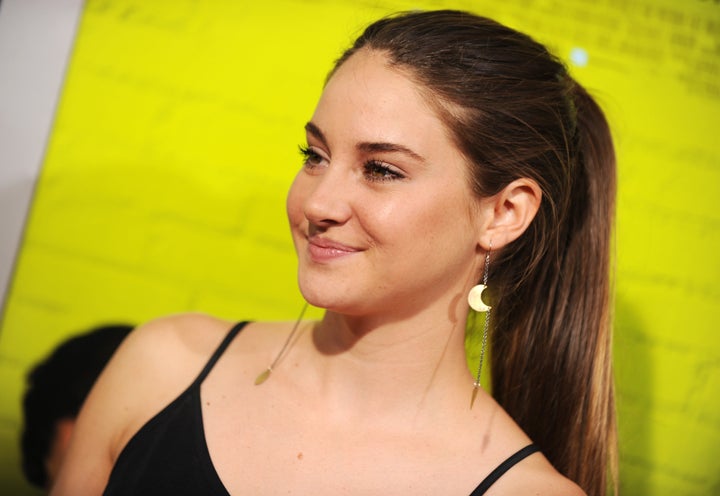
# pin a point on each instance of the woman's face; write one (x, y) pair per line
(382, 215)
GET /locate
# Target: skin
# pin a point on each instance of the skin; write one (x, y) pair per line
(373, 399)
(58, 448)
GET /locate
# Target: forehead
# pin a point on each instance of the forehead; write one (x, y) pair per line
(367, 95)
(368, 66)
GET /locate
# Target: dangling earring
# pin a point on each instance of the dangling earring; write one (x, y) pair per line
(265, 374)
(476, 303)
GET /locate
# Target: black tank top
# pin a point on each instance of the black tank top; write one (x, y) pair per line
(169, 456)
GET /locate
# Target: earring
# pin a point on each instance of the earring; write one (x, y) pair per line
(476, 303)
(475, 298)
(265, 374)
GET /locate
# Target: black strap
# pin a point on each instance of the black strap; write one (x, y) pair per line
(504, 467)
(219, 351)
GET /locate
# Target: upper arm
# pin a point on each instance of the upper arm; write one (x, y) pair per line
(152, 366)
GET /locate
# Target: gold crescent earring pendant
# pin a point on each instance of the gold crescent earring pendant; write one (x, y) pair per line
(475, 299)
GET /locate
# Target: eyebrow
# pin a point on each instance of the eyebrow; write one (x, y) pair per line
(315, 131)
(366, 146)
(389, 147)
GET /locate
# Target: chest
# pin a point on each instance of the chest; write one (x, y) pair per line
(295, 453)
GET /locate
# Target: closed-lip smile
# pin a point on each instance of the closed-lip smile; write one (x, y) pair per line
(323, 249)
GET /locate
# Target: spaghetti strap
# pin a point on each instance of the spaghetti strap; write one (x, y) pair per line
(219, 351)
(504, 467)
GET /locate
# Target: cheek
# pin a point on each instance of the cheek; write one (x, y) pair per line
(445, 221)
(407, 223)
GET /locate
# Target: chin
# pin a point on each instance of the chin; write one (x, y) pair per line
(319, 297)
(329, 297)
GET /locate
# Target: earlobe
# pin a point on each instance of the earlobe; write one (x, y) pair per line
(510, 212)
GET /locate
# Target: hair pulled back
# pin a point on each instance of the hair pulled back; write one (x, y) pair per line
(514, 111)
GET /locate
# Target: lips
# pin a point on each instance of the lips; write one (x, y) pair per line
(323, 250)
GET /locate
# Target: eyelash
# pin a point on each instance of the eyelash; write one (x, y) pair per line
(370, 167)
(387, 173)
(310, 156)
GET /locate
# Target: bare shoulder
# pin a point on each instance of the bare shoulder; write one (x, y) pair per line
(537, 477)
(152, 366)
(167, 354)
(187, 332)
(166, 350)
(160, 359)
(502, 436)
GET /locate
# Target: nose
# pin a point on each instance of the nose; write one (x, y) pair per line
(328, 197)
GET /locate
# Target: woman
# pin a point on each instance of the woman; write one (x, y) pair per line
(445, 150)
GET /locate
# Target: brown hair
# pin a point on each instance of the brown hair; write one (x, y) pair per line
(514, 111)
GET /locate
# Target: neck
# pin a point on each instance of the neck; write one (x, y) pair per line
(395, 366)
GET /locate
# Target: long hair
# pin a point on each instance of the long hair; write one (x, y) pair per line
(514, 111)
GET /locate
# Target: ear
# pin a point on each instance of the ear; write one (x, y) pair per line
(508, 214)
(58, 447)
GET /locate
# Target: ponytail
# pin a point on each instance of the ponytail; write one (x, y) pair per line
(553, 367)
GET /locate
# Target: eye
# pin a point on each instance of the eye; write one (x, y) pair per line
(311, 158)
(379, 171)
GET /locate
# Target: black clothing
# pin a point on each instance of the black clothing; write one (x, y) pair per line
(169, 456)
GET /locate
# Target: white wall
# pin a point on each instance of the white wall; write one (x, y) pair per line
(36, 38)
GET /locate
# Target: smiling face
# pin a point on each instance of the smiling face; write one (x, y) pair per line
(382, 214)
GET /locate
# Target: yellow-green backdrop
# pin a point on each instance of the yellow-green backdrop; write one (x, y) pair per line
(176, 138)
